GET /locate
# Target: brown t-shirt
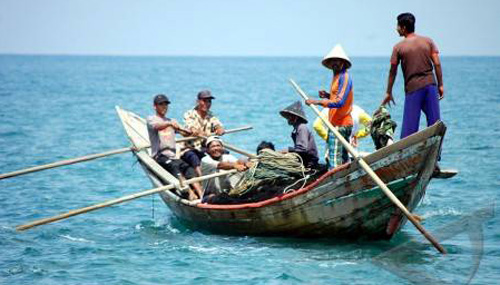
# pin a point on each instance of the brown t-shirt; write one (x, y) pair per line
(415, 52)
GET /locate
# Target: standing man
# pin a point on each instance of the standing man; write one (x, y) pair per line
(418, 56)
(339, 101)
(161, 132)
(200, 122)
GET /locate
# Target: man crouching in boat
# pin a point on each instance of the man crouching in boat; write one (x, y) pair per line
(303, 139)
(211, 163)
(161, 132)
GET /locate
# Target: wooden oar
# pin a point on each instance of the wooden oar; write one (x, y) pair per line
(64, 162)
(226, 132)
(118, 201)
(104, 154)
(371, 173)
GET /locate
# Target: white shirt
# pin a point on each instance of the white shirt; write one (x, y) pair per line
(355, 114)
(209, 166)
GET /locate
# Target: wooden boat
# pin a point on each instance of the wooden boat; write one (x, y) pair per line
(344, 202)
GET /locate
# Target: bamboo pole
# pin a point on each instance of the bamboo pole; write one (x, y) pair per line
(117, 201)
(109, 153)
(226, 132)
(64, 162)
(371, 173)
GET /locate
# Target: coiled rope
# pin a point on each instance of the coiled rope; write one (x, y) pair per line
(272, 168)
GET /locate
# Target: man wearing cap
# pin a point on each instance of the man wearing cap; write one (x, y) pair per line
(418, 56)
(200, 121)
(212, 163)
(161, 132)
(303, 140)
(339, 100)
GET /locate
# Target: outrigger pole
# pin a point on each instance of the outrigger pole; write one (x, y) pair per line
(110, 153)
(118, 201)
(371, 173)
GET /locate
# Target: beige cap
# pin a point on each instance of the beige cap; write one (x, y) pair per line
(337, 52)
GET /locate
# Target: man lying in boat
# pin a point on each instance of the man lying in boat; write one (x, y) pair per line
(212, 163)
(200, 121)
(273, 175)
(161, 132)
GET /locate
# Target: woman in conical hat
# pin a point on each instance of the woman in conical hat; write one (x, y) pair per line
(339, 101)
(295, 109)
(303, 140)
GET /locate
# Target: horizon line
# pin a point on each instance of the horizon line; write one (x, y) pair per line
(208, 56)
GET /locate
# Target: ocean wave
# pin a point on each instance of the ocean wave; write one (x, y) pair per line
(205, 250)
(157, 226)
(449, 211)
(7, 229)
(68, 237)
(334, 264)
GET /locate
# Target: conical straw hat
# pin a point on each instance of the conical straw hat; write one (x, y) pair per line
(337, 52)
(296, 110)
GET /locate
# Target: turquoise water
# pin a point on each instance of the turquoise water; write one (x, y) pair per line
(57, 107)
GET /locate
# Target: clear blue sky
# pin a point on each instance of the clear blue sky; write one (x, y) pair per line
(241, 27)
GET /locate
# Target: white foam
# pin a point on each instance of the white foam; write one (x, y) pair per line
(206, 250)
(76, 239)
(335, 264)
(443, 212)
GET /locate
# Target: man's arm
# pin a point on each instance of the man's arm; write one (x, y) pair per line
(341, 96)
(390, 83)
(219, 130)
(233, 163)
(161, 125)
(218, 127)
(238, 165)
(439, 74)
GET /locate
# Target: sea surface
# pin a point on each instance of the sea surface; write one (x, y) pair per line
(59, 107)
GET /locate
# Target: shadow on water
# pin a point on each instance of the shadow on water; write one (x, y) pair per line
(364, 247)
(408, 256)
(413, 261)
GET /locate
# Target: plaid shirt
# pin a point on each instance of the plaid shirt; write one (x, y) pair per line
(207, 126)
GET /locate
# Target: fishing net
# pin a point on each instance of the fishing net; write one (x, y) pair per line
(272, 170)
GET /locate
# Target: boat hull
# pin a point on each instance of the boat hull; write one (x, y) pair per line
(343, 203)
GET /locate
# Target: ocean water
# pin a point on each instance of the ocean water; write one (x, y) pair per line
(59, 107)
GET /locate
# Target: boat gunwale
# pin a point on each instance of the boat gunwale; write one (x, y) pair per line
(436, 129)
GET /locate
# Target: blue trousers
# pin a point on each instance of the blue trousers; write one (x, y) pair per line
(424, 99)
